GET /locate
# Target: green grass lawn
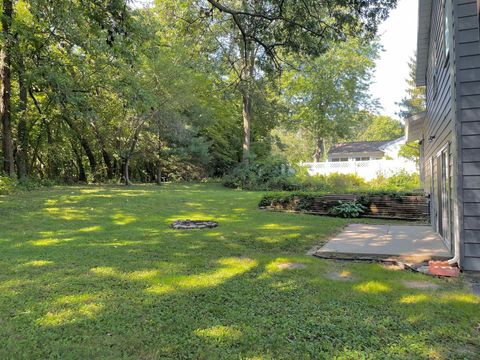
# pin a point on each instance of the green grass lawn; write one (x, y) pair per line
(96, 272)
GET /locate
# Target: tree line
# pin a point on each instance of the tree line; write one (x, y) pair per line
(97, 90)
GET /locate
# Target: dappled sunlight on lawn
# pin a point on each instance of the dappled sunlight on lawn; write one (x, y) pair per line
(13, 287)
(450, 298)
(278, 237)
(460, 298)
(372, 287)
(51, 241)
(99, 270)
(38, 263)
(71, 309)
(68, 213)
(414, 299)
(90, 229)
(123, 219)
(278, 226)
(230, 267)
(219, 332)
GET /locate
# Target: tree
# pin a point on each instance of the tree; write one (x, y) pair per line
(94, 90)
(329, 94)
(413, 103)
(6, 87)
(381, 127)
(258, 34)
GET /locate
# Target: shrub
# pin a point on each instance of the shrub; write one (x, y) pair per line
(345, 182)
(266, 174)
(275, 174)
(401, 181)
(348, 209)
(7, 185)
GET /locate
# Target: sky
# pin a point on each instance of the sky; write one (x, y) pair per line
(399, 40)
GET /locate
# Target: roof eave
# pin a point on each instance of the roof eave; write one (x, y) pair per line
(394, 141)
(423, 40)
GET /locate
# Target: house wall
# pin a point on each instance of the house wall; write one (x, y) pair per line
(467, 58)
(439, 130)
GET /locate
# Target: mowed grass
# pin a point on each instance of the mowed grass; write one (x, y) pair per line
(96, 273)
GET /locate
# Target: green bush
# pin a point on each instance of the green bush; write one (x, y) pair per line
(266, 174)
(7, 185)
(348, 209)
(401, 181)
(275, 174)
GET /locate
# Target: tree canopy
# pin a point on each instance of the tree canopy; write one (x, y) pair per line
(381, 127)
(101, 91)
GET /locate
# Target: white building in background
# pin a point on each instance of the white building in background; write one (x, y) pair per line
(367, 159)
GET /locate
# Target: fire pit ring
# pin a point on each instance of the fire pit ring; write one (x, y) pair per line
(193, 224)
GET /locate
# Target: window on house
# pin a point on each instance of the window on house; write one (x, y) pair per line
(343, 159)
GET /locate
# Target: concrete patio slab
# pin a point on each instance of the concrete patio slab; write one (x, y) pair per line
(412, 243)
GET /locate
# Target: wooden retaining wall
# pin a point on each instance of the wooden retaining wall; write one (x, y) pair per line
(405, 207)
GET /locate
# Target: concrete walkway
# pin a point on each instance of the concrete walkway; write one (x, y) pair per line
(413, 243)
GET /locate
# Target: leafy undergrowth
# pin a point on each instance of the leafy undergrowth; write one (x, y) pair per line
(96, 272)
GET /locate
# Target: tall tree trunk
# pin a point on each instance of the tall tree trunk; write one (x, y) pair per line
(5, 101)
(130, 153)
(126, 174)
(105, 155)
(247, 124)
(82, 176)
(246, 88)
(108, 163)
(22, 124)
(159, 173)
(319, 149)
(158, 177)
(85, 145)
(91, 157)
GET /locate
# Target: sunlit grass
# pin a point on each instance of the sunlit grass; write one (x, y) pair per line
(372, 287)
(97, 273)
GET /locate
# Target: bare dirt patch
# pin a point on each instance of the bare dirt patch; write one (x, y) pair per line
(340, 276)
(420, 285)
(290, 266)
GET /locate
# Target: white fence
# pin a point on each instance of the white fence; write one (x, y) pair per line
(366, 169)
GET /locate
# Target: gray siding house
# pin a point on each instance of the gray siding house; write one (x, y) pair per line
(448, 64)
